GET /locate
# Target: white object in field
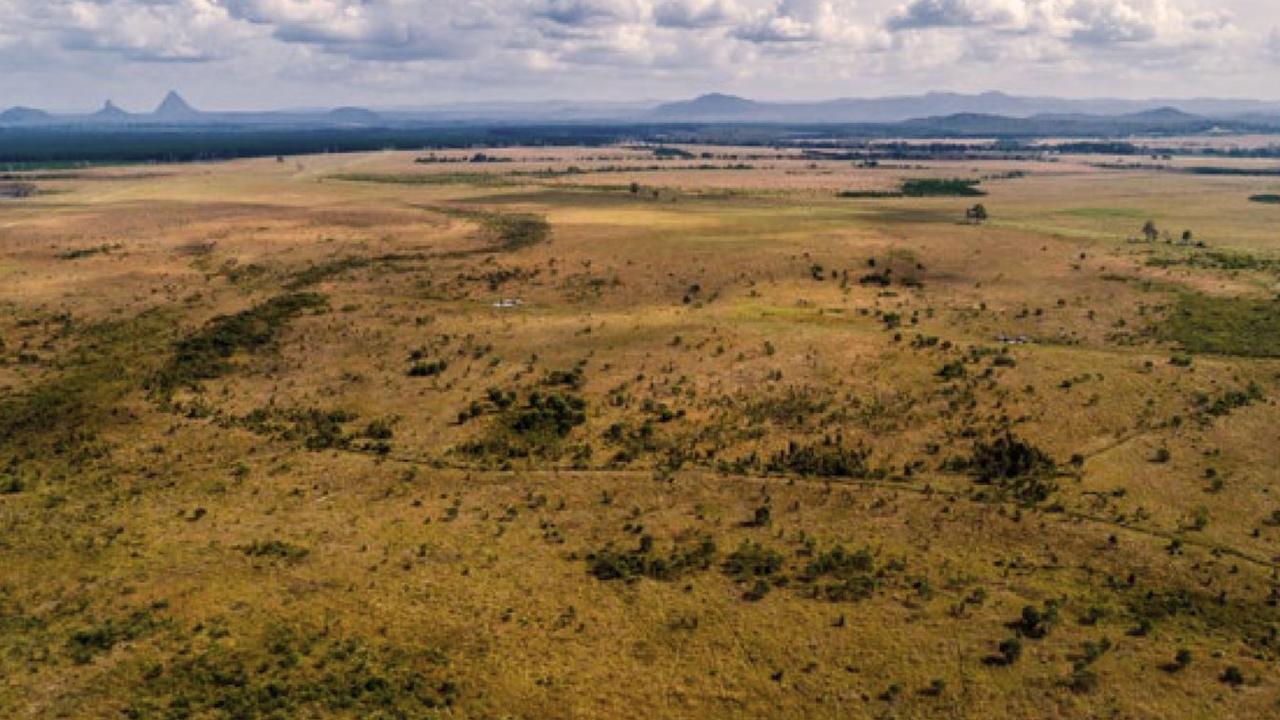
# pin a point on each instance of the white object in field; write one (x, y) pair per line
(512, 303)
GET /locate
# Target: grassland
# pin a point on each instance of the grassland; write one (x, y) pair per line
(356, 436)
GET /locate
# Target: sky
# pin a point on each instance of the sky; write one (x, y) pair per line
(259, 54)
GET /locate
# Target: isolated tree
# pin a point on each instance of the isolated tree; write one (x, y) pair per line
(635, 188)
(976, 214)
(1187, 237)
(1150, 232)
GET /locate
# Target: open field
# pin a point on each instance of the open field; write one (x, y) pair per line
(595, 433)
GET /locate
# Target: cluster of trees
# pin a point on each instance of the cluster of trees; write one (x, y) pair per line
(1152, 233)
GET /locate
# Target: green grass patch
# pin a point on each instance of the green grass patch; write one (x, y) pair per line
(1225, 325)
(1269, 199)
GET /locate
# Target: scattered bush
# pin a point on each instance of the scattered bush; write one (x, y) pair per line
(608, 564)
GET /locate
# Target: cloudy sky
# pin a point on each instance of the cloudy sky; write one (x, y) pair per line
(244, 54)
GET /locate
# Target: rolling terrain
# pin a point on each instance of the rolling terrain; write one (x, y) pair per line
(575, 432)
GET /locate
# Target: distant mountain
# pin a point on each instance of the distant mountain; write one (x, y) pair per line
(110, 113)
(353, 116)
(24, 116)
(728, 108)
(174, 109)
(990, 114)
(713, 106)
(1159, 121)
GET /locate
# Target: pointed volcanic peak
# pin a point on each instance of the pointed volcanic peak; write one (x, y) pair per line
(173, 107)
(110, 112)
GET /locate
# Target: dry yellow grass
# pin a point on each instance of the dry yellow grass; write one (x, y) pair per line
(310, 529)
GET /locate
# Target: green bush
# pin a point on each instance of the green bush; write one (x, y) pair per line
(609, 564)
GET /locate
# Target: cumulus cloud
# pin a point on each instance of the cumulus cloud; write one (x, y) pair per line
(580, 13)
(689, 14)
(1157, 24)
(793, 21)
(153, 31)
(522, 42)
(958, 13)
(388, 30)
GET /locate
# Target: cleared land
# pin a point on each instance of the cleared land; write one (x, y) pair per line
(585, 431)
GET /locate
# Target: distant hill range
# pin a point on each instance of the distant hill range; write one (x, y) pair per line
(991, 114)
(174, 111)
(728, 108)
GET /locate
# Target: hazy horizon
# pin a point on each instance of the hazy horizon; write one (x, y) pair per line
(146, 106)
(71, 55)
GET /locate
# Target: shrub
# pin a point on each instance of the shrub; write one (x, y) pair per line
(751, 561)
(608, 564)
(1014, 467)
(830, 458)
(428, 369)
(1035, 623)
(536, 428)
(276, 549)
(87, 642)
(1010, 650)
(850, 576)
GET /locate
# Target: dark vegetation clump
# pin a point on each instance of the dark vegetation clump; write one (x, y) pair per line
(87, 642)
(1014, 467)
(276, 550)
(870, 194)
(317, 429)
(62, 412)
(507, 231)
(933, 187)
(631, 565)
(1035, 623)
(90, 251)
(922, 187)
(828, 458)
(537, 427)
(838, 575)
(287, 673)
(323, 271)
(1229, 400)
(752, 561)
(207, 354)
(428, 368)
